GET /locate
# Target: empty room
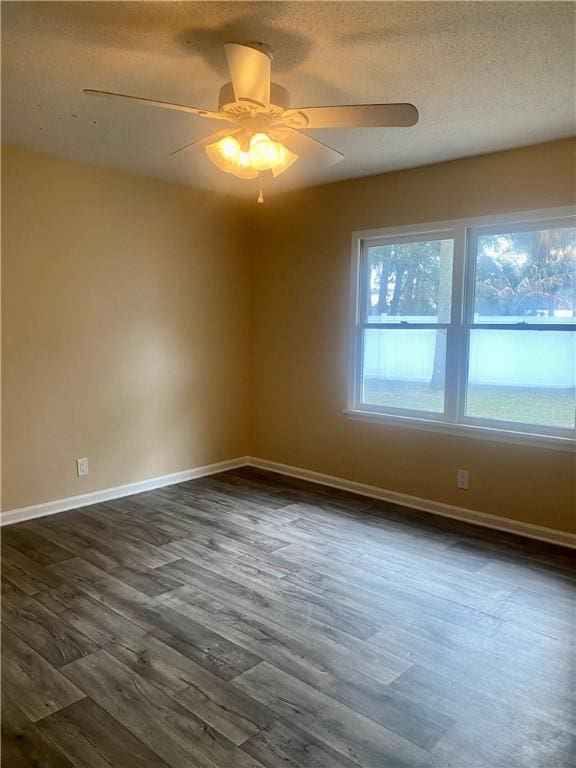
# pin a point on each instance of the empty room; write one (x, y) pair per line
(288, 384)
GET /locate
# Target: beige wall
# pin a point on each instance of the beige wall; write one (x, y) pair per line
(125, 328)
(300, 306)
(128, 306)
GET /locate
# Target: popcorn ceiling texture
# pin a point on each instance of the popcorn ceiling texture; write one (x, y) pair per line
(485, 76)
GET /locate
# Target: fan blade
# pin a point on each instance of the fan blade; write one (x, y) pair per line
(161, 104)
(199, 143)
(307, 147)
(250, 73)
(358, 116)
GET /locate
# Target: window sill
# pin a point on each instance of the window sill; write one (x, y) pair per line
(549, 442)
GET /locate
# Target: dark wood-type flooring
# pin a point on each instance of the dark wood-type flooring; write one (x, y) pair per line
(248, 620)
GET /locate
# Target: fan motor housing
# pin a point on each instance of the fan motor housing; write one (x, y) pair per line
(279, 101)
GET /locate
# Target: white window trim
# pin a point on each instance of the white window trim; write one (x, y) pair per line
(454, 423)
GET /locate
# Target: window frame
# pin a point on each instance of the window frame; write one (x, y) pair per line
(454, 420)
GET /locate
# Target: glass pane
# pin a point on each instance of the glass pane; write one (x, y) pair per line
(410, 282)
(523, 376)
(404, 368)
(526, 276)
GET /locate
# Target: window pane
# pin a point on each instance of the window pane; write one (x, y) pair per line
(526, 276)
(410, 282)
(404, 368)
(523, 376)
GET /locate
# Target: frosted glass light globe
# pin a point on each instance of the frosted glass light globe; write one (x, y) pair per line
(229, 148)
(263, 152)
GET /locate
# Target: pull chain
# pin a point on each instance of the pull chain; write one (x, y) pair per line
(260, 195)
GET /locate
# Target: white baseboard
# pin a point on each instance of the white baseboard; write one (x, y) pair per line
(434, 507)
(484, 519)
(96, 497)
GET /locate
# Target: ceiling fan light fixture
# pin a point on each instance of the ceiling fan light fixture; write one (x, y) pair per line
(254, 103)
(224, 153)
(263, 154)
(228, 156)
(243, 169)
(229, 148)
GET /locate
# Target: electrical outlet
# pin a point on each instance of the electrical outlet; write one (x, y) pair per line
(462, 479)
(82, 466)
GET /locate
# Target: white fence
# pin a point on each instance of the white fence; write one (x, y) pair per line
(505, 358)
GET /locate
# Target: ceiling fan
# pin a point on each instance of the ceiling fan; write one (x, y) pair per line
(268, 134)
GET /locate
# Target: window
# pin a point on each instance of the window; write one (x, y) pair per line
(468, 326)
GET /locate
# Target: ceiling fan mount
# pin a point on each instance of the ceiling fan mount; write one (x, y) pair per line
(268, 134)
(259, 46)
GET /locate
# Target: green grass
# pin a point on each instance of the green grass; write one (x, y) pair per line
(549, 407)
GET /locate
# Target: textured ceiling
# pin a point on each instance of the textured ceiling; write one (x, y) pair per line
(485, 76)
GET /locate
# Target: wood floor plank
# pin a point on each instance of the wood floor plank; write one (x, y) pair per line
(162, 665)
(259, 495)
(170, 519)
(491, 732)
(254, 486)
(542, 620)
(31, 681)
(373, 551)
(209, 648)
(107, 517)
(283, 745)
(33, 545)
(472, 660)
(256, 626)
(295, 491)
(338, 726)
(164, 725)
(557, 605)
(476, 591)
(263, 639)
(229, 711)
(224, 525)
(92, 618)
(251, 619)
(269, 593)
(24, 746)
(103, 554)
(146, 580)
(516, 551)
(91, 738)
(377, 537)
(109, 590)
(530, 576)
(209, 498)
(190, 638)
(131, 551)
(72, 744)
(326, 668)
(486, 690)
(213, 561)
(25, 572)
(411, 720)
(44, 631)
(269, 562)
(393, 594)
(342, 589)
(427, 653)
